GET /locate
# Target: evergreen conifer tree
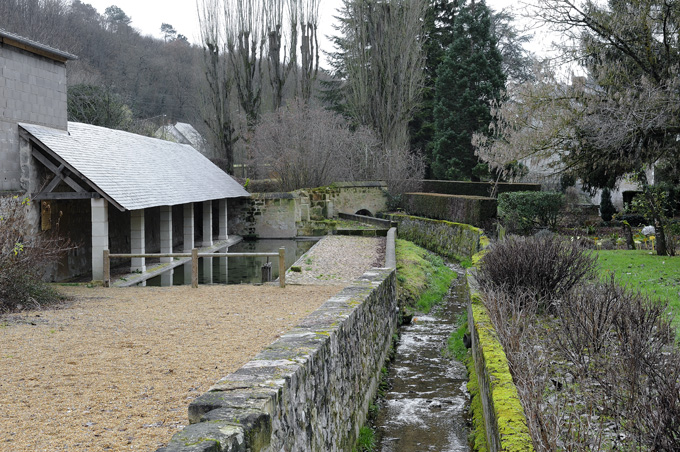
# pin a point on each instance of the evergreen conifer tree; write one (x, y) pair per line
(607, 209)
(468, 79)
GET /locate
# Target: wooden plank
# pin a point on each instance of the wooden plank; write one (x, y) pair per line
(107, 269)
(58, 172)
(194, 268)
(34, 49)
(282, 267)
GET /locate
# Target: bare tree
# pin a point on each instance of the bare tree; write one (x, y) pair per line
(217, 111)
(305, 146)
(382, 59)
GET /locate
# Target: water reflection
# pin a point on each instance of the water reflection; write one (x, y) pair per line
(238, 270)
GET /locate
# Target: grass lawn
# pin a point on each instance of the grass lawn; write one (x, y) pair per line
(657, 276)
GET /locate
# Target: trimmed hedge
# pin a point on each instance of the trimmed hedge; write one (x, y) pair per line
(522, 211)
(464, 188)
(473, 210)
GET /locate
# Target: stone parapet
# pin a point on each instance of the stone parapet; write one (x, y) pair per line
(308, 391)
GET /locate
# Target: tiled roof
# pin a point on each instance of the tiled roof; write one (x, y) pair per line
(35, 46)
(138, 172)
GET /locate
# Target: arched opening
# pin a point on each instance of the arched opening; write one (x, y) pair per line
(364, 212)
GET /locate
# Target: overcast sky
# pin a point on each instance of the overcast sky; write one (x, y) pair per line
(148, 15)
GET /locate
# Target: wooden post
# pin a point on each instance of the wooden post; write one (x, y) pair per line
(107, 269)
(194, 268)
(282, 267)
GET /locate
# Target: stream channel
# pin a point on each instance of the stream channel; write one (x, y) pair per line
(426, 406)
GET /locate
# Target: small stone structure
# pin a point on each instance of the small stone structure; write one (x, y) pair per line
(308, 391)
(304, 212)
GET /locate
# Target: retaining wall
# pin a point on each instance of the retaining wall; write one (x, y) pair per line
(456, 241)
(309, 390)
(303, 212)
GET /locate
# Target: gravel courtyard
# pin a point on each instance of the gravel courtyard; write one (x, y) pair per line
(115, 369)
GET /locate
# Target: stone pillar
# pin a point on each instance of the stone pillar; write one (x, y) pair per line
(223, 233)
(137, 240)
(207, 270)
(188, 238)
(166, 243)
(207, 223)
(100, 236)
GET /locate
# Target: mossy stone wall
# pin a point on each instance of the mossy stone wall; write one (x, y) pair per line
(475, 210)
(456, 241)
(504, 420)
(305, 212)
(308, 391)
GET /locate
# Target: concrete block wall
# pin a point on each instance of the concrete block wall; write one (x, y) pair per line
(32, 89)
(309, 390)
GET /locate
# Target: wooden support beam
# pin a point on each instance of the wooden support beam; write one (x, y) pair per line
(65, 195)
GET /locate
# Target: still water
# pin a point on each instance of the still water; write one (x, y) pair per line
(240, 270)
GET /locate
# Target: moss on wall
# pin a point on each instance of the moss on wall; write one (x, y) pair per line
(456, 241)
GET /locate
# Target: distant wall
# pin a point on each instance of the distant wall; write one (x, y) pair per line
(303, 212)
(465, 188)
(32, 89)
(475, 210)
(308, 391)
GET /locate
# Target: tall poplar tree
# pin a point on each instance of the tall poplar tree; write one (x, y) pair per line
(469, 78)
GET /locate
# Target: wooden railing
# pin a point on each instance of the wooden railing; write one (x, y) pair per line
(194, 255)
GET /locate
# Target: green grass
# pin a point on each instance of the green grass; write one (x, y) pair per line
(656, 276)
(455, 347)
(423, 277)
(366, 440)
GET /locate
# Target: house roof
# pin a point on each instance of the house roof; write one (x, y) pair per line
(134, 171)
(29, 45)
(182, 133)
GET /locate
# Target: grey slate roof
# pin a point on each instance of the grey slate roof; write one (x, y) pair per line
(138, 172)
(50, 51)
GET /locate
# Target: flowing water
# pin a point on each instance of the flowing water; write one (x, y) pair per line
(426, 407)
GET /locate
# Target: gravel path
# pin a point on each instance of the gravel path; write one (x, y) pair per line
(338, 259)
(115, 369)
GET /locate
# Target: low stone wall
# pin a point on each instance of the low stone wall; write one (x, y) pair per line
(308, 391)
(465, 188)
(455, 241)
(474, 210)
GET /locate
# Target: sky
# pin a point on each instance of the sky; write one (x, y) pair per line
(148, 15)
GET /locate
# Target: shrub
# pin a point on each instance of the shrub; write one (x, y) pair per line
(522, 211)
(546, 266)
(607, 209)
(23, 258)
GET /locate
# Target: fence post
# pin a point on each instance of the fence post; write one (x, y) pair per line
(107, 269)
(194, 268)
(282, 267)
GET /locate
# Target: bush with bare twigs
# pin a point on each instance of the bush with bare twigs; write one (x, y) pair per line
(24, 256)
(305, 147)
(600, 371)
(547, 265)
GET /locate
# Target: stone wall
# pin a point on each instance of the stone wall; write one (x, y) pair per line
(505, 424)
(308, 391)
(32, 89)
(473, 210)
(455, 241)
(304, 212)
